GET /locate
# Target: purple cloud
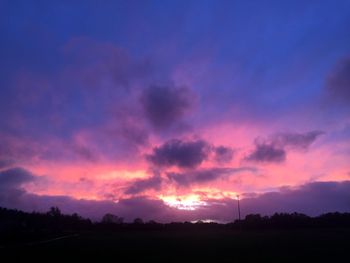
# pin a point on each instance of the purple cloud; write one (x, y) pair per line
(165, 105)
(223, 154)
(274, 149)
(338, 84)
(4, 163)
(85, 153)
(205, 175)
(265, 152)
(312, 199)
(15, 177)
(295, 140)
(180, 153)
(141, 185)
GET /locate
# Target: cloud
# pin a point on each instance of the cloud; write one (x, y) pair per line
(141, 185)
(144, 207)
(180, 153)
(4, 163)
(274, 148)
(205, 175)
(11, 181)
(135, 134)
(338, 83)
(15, 177)
(296, 140)
(15, 149)
(85, 153)
(165, 105)
(312, 199)
(12, 195)
(128, 124)
(223, 154)
(265, 152)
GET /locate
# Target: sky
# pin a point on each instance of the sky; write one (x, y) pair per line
(168, 110)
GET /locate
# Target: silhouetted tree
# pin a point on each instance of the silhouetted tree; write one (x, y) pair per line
(138, 221)
(112, 219)
(54, 211)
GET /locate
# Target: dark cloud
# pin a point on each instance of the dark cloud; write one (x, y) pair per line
(295, 140)
(312, 199)
(135, 134)
(179, 153)
(267, 153)
(146, 208)
(4, 163)
(85, 153)
(11, 181)
(164, 105)
(274, 149)
(14, 149)
(223, 154)
(128, 124)
(205, 175)
(15, 177)
(338, 84)
(141, 185)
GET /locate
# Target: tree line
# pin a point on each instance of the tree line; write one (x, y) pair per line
(16, 223)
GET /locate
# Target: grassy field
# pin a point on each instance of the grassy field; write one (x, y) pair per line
(315, 245)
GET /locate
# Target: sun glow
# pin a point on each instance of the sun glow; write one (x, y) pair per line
(190, 202)
(214, 193)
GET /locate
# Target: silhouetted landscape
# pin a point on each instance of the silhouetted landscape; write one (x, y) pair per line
(285, 237)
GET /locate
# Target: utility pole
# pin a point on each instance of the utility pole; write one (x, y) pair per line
(239, 209)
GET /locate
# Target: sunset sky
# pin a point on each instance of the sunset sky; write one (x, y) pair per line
(168, 110)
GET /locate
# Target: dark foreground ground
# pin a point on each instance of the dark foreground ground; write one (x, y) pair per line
(220, 245)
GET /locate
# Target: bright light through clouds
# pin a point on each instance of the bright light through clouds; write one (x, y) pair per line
(191, 202)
